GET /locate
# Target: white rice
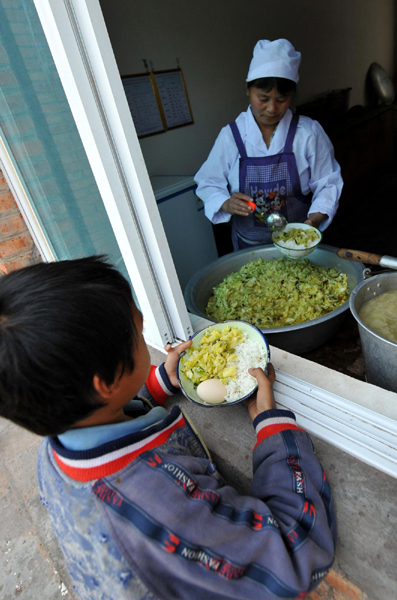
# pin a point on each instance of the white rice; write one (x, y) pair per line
(250, 355)
(294, 246)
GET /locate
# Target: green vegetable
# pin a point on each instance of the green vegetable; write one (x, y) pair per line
(277, 293)
(304, 237)
(214, 357)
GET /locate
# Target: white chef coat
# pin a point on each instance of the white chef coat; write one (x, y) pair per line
(318, 170)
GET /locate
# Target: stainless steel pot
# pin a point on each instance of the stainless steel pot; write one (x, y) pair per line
(380, 355)
(297, 339)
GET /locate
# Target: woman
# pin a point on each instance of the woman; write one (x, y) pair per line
(280, 161)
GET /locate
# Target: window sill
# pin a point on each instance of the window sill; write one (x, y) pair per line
(357, 417)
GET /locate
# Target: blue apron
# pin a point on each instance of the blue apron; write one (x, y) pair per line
(273, 183)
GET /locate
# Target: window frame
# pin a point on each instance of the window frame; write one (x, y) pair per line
(80, 45)
(77, 36)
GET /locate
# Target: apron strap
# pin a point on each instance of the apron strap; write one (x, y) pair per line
(237, 139)
(291, 133)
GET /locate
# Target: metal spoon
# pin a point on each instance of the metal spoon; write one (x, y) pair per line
(274, 221)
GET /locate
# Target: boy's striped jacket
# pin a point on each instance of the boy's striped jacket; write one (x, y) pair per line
(148, 516)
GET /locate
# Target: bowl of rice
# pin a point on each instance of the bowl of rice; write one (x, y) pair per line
(221, 355)
(297, 240)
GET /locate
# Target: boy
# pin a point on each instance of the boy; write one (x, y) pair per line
(137, 505)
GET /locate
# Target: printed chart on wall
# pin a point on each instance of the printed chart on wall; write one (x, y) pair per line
(174, 99)
(141, 96)
(158, 101)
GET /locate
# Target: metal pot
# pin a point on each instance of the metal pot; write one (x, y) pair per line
(380, 355)
(297, 339)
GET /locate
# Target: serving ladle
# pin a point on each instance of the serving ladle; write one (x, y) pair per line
(274, 221)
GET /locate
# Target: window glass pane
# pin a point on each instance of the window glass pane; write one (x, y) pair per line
(39, 130)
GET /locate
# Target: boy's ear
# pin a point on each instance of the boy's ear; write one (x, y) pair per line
(105, 390)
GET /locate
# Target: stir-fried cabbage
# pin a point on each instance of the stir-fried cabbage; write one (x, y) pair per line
(301, 237)
(212, 357)
(277, 293)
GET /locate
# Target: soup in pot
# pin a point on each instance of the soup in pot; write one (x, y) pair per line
(380, 315)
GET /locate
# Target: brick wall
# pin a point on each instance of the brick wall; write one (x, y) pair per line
(337, 587)
(17, 248)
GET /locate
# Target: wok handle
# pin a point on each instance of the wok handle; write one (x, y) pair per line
(359, 256)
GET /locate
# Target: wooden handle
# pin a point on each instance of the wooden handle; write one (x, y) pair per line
(358, 256)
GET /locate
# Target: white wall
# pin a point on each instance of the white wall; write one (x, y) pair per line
(214, 39)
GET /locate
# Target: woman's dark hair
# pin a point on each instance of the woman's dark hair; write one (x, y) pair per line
(62, 323)
(283, 86)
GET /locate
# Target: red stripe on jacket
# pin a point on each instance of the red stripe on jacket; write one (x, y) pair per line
(269, 430)
(108, 468)
(155, 388)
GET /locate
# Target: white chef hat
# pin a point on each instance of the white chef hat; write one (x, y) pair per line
(274, 59)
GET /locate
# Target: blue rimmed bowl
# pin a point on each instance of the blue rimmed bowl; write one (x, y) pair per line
(187, 387)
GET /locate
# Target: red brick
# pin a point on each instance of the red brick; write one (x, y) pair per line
(7, 201)
(3, 183)
(17, 263)
(324, 591)
(323, 588)
(16, 244)
(341, 583)
(314, 596)
(12, 225)
(339, 596)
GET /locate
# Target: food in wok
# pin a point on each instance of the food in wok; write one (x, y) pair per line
(277, 293)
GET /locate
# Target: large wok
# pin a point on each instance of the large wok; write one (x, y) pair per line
(297, 339)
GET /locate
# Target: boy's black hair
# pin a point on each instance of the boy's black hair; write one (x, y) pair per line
(282, 85)
(62, 323)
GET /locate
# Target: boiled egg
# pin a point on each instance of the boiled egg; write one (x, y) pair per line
(212, 391)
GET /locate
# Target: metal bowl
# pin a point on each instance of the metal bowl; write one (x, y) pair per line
(380, 354)
(297, 339)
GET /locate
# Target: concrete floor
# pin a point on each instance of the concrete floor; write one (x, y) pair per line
(31, 563)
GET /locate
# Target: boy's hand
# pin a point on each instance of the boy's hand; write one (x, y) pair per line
(263, 399)
(172, 359)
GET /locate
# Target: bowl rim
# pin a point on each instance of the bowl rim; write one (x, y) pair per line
(215, 325)
(300, 227)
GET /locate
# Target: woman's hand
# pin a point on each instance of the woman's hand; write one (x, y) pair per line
(235, 205)
(263, 399)
(315, 219)
(171, 361)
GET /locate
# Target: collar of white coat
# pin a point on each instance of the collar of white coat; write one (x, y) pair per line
(254, 134)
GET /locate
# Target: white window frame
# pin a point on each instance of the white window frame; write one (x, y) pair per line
(78, 39)
(80, 45)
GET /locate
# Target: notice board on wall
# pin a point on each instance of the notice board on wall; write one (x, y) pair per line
(158, 101)
(174, 99)
(145, 110)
